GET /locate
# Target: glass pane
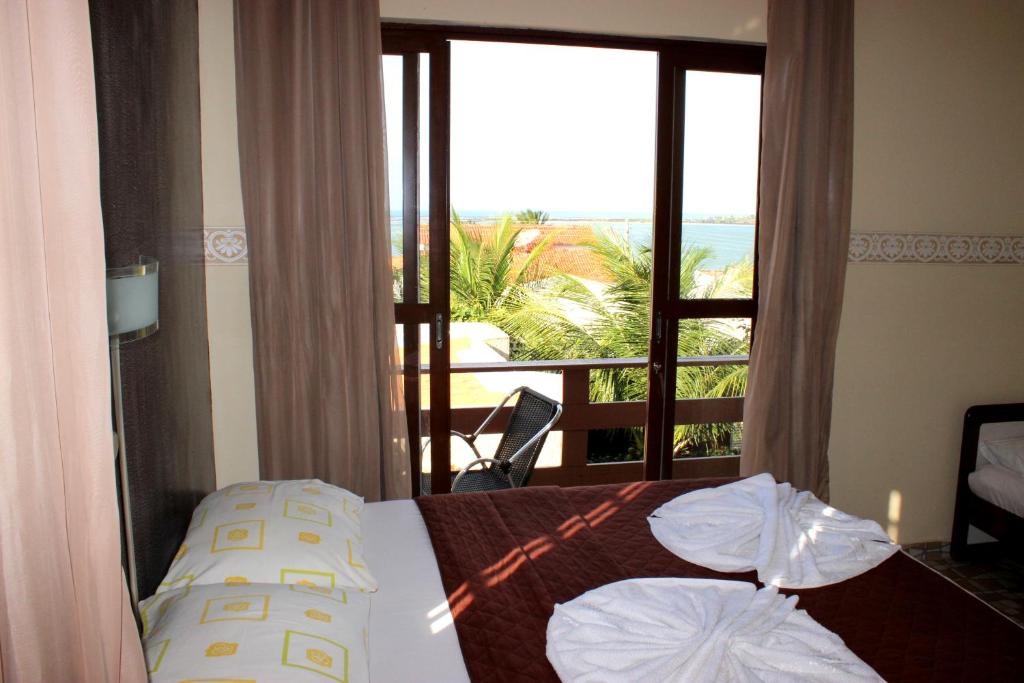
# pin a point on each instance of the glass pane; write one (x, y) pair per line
(424, 348)
(474, 390)
(552, 182)
(423, 223)
(711, 365)
(704, 347)
(615, 445)
(481, 342)
(392, 66)
(413, 378)
(703, 440)
(701, 337)
(487, 444)
(396, 134)
(720, 168)
(478, 342)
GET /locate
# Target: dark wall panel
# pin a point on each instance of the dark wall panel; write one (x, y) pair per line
(147, 83)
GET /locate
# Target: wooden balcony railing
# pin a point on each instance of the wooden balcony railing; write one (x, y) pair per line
(580, 415)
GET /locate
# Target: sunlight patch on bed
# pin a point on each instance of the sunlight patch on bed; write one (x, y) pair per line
(460, 599)
(601, 513)
(633, 490)
(800, 546)
(442, 618)
(571, 527)
(437, 611)
(538, 546)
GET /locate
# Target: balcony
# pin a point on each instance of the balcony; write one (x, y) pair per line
(564, 460)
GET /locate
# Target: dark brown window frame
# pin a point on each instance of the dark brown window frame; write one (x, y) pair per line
(675, 57)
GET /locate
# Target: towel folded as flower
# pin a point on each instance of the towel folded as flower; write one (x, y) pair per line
(694, 630)
(790, 537)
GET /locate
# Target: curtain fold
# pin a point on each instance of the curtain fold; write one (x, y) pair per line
(65, 614)
(314, 190)
(803, 238)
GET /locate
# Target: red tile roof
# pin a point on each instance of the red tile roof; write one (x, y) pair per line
(566, 253)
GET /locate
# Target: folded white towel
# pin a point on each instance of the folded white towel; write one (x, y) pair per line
(790, 537)
(694, 630)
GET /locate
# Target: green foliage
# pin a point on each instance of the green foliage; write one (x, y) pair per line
(555, 316)
(532, 217)
(486, 278)
(569, 319)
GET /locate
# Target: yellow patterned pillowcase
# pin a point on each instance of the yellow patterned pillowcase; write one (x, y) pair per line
(262, 632)
(297, 532)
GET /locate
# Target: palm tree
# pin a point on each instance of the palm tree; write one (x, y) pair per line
(532, 217)
(487, 274)
(569, 319)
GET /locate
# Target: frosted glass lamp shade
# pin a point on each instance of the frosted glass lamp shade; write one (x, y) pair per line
(133, 309)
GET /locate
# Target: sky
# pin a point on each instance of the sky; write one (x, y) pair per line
(572, 130)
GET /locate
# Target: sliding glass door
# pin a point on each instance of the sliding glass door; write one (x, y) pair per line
(705, 273)
(416, 106)
(574, 214)
(552, 186)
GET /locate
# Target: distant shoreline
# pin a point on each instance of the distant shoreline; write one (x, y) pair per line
(728, 242)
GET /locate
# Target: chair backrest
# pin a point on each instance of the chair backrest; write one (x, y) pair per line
(531, 416)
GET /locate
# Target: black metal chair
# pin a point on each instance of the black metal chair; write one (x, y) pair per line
(532, 418)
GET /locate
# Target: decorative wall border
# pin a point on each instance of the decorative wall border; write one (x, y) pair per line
(228, 247)
(225, 246)
(890, 247)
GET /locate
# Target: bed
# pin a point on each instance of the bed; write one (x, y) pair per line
(466, 585)
(990, 489)
(412, 634)
(506, 558)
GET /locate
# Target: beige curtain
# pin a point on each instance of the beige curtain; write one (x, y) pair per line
(804, 230)
(64, 608)
(314, 189)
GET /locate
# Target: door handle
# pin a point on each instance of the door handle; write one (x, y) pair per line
(439, 331)
(657, 368)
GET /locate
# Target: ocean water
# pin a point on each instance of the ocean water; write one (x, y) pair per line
(728, 243)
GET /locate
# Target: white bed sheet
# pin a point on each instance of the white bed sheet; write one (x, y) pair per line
(998, 485)
(412, 637)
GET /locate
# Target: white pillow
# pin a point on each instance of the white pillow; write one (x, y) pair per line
(265, 632)
(1006, 452)
(302, 531)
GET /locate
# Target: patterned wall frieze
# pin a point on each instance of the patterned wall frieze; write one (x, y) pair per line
(889, 247)
(227, 246)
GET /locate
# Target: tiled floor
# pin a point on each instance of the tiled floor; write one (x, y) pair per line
(997, 577)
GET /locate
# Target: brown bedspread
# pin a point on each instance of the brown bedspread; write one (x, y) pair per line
(507, 558)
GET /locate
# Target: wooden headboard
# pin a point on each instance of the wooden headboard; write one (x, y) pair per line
(970, 509)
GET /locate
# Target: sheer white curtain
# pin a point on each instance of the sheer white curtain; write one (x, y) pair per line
(64, 608)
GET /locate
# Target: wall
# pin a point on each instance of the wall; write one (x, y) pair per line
(147, 85)
(234, 398)
(741, 20)
(937, 151)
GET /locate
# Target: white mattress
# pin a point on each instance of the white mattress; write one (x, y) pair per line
(412, 637)
(998, 485)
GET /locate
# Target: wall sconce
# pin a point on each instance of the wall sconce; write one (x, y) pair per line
(133, 312)
(132, 300)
